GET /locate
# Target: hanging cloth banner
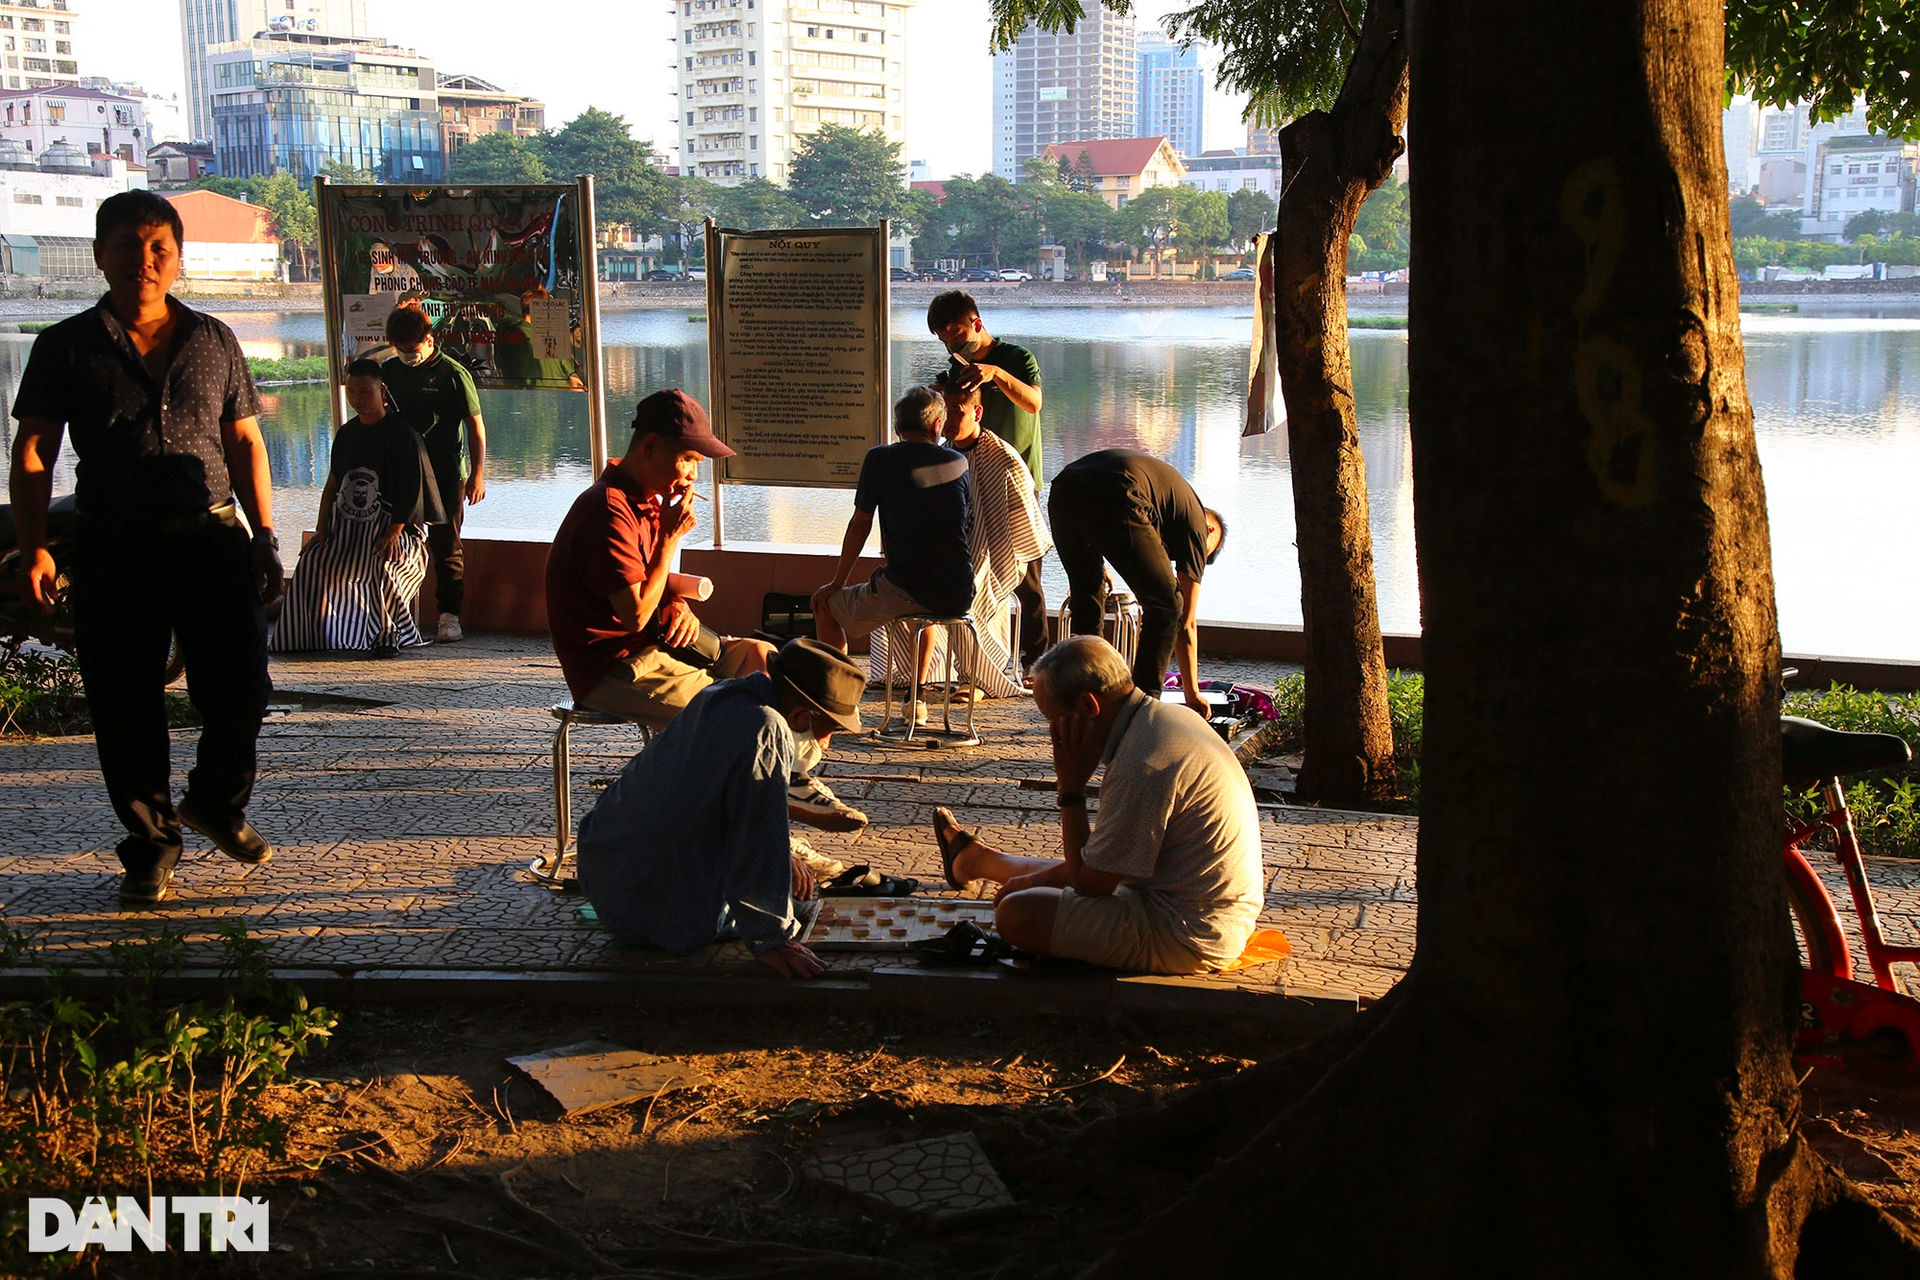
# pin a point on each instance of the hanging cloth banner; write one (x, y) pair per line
(503, 272)
(1265, 409)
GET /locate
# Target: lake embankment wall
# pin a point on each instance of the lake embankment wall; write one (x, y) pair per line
(1369, 298)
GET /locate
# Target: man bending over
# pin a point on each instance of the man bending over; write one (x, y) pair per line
(1169, 879)
(689, 845)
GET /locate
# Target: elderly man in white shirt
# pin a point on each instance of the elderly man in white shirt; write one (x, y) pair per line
(1169, 880)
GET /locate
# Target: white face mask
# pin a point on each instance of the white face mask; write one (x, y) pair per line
(419, 357)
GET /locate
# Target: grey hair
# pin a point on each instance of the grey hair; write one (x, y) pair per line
(920, 411)
(1083, 664)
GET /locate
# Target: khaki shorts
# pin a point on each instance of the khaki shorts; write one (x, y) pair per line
(870, 606)
(1120, 931)
(652, 686)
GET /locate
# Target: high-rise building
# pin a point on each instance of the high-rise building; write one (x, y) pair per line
(1263, 139)
(755, 79)
(1739, 138)
(297, 101)
(206, 23)
(1172, 92)
(37, 41)
(1053, 88)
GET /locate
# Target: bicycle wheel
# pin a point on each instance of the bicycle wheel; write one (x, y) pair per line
(176, 661)
(1807, 915)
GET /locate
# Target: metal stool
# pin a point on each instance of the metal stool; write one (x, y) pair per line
(546, 869)
(1119, 624)
(914, 625)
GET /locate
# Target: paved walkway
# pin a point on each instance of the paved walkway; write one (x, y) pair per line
(406, 798)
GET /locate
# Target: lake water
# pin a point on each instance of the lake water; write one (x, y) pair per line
(1838, 426)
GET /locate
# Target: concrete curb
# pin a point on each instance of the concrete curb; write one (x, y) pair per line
(902, 987)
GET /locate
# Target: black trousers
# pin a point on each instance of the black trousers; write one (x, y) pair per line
(132, 587)
(1033, 615)
(443, 540)
(1093, 523)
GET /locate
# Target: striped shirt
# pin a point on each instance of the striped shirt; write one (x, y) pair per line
(689, 844)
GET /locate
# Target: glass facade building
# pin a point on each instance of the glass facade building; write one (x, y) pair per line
(1173, 93)
(207, 24)
(298, 102)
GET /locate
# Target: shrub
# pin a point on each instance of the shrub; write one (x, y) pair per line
(289, 369)
(1885, 805)
(40, 693)
(39, 690)
(103, 1097)
(1406, 700)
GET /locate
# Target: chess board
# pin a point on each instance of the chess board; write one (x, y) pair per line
(889, 924)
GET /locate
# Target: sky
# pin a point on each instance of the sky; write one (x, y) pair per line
(613, 55)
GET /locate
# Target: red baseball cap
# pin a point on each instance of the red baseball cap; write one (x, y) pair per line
(676, 414)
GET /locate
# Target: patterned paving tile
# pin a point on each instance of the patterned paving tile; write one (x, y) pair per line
(403, 831)
(1388, 948)
(1365, 981)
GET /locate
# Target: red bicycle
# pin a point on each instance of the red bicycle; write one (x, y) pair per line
(1852, 1024)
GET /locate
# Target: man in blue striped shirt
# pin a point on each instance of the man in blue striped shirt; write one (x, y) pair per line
(689, 845)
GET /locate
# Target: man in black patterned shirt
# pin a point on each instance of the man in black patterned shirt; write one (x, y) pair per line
(161, 408)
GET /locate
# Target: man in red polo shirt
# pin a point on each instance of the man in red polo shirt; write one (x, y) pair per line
(625, 641)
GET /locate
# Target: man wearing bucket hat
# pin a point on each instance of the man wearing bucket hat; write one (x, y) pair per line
(689, 845)
(626, 642)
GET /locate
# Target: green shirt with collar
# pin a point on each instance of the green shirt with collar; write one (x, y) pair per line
(436, 397)
(999, 414)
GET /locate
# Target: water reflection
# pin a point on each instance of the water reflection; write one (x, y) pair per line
(1838, 425)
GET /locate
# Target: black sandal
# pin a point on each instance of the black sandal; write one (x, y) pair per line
(952, 842)
(864, 882)
(965, 943)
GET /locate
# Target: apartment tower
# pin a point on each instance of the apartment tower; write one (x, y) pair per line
(1053, 88)
(37, 39)
(754, 78)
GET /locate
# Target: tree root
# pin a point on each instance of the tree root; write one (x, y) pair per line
(1844, 1235)
(1375, 1129)
(1200, 1125)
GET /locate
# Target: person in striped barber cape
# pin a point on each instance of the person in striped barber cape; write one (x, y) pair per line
(358, 580)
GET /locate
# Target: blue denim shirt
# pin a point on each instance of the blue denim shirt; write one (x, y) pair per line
(689, 844)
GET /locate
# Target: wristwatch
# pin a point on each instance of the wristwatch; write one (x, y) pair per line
(267, 536)
(1072, 799)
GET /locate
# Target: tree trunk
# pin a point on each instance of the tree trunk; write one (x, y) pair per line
(1587, 1070)
(1330, 161)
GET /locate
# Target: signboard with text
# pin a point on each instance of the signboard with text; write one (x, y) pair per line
(503, 272)
(798, 352)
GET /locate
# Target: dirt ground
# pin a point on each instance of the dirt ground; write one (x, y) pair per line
(431, 1157)
(437, 1158)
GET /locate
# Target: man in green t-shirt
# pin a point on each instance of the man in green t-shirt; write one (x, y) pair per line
(435, 395)
(1009, 380)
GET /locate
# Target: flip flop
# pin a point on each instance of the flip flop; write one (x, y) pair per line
(864, 882)
(952, 842)
(965, 943)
